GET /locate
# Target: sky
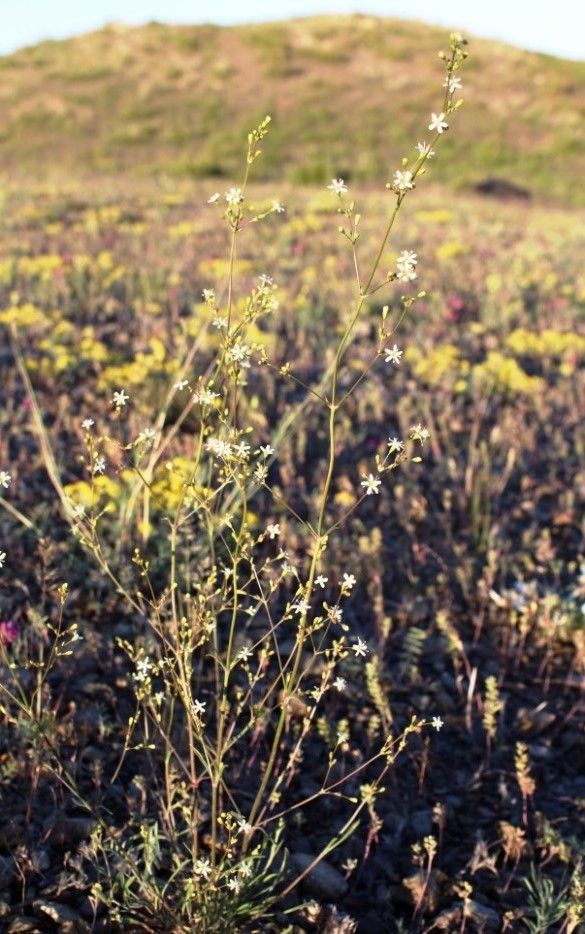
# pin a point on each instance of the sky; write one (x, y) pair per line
(557, 27)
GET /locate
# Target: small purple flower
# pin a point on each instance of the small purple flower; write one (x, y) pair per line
(9, 631)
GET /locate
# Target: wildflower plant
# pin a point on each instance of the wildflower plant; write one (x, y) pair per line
(241, 650)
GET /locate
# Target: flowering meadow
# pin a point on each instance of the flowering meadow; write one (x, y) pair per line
(292, 565)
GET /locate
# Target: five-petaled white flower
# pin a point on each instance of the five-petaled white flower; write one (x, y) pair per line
(340, 684)
(266, 450)
(337, 186)
(144, 667)
(393, 354)
(198, 707)
(273, 529)
(244, 826)
(321, 581)
(453, 83)
(215, 197)
(206, 396)
(234, 196)
(437, 723)
(240, 353)
(181, 384)
(2, 558)
(120, 398)
(438, 123)
(202, 867)
(279, 207)
(301, 607)
(87, 423)
(403, 181)
(146, 436)
(99, 463)
(407, 258)
(348, 581)
(371, 483)
(418, 433)
(395, 444)
(5, 479)
(360, 648)
(234, 885)
(425, 150)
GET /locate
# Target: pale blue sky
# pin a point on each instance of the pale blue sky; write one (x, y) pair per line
(556, 27)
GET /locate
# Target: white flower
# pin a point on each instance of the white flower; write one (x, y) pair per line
(405, 273)
(234, 196)
(87, 423)
(348, 581)
(403, 181)
(220, 322)
(198, 707)
(242, 449)
(360, 648)
(437, 723)
(425, 150)
(209, 296)
(406, 266)
(266, 450)
(99, 463)
(340, 684)
(206, 396)
(120, 398)
(147, 436)
(438, 123)
(273, 529)
(260, 473)
(452, 83)
(234, 885)
(278, 206)
(337, 186)
(244, 826)
(244, 654)
(239, 353)
(335, 613)
(143, 668)
(393, 355)
(265, 280)
(202, 867)
(301, 607)
(321, 581)
(2, 558)
(371, 483)
(181, 384)
(418, 433)
(407, 258)
(218, 447)
(395, 445)
(215, 197)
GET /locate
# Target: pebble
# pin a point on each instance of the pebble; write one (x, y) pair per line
(323, 881)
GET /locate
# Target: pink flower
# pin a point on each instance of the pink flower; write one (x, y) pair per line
(8, 631)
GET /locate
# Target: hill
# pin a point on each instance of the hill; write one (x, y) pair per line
(348, 96)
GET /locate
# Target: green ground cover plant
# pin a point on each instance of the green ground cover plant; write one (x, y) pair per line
(292, 575)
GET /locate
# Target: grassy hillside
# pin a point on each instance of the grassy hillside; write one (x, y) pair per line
(348, 95)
